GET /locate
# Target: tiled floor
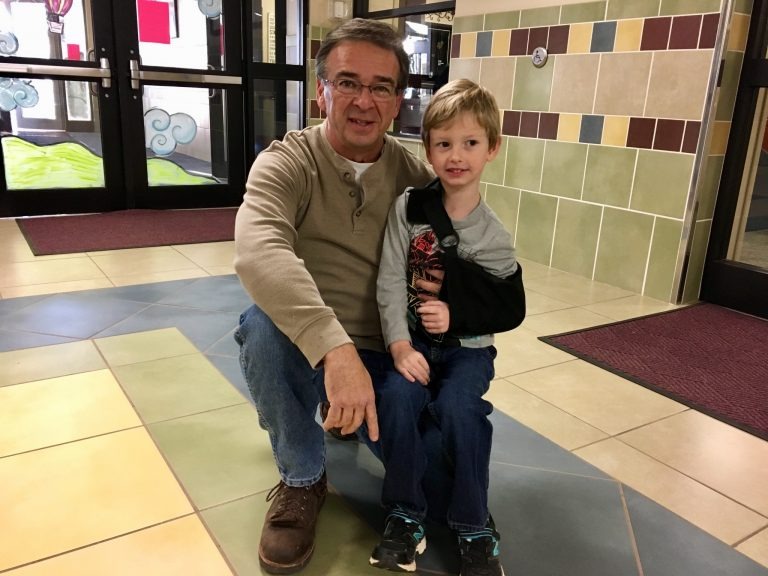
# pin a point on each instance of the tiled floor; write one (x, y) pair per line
(128, 445)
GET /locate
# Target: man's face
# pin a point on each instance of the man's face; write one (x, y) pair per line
(356, 123)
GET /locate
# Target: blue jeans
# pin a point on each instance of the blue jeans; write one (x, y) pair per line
(287, 391)
(453, 399)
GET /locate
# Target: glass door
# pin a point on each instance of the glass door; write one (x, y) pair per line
(119, 104)
(736, 270)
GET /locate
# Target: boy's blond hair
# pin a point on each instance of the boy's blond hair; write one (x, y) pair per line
(459, 96)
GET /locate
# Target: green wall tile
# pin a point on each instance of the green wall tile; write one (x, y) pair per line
(696, 261)
(411, 145)
(532, 85)
(729, 85)
(576, 233)
(467, 24)
(536, 227)
(662, 181)
(505, 202)
(502, 20)
(663, 259)
(743, 6)
(564, 164)
(709, 186)
(625, 239)
(620, 9)
(524, 161)
(609, 175)
(674, 7)
(494, 171)
(539, 17)
(587, 12)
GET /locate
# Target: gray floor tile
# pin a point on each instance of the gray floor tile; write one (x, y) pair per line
(9, 305)
(21, 340)
(223, 293)
(225, 346)
(671, 546)
(149, 293)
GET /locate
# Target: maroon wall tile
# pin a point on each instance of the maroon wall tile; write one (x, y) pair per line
(656, 33)
(511, 124)
(456, 46)
(709, 26)
(529, 124)
(518, 42)
(669, 135)
(548, 123)
(640, 134)
(691, 137)
(685, 32)
(314, 109)
(537, 37)
(314, 47)
(558, 39)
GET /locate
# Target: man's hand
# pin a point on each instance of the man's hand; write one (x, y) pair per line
(409, 362)
(350, 392)
(435, 316)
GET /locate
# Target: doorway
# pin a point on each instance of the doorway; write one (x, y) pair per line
(108, 105)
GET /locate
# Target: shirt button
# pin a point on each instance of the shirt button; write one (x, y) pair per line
(347, 175)
(358, 213)
(352, 193)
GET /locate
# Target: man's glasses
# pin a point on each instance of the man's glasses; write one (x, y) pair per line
(382, 92)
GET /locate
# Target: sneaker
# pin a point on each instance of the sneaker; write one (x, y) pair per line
(335, 432)
(288, 536)
(480, 552)
(403, 539)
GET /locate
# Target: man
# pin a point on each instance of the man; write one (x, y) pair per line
(308, 238)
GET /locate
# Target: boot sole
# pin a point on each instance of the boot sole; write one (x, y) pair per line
(273, 568)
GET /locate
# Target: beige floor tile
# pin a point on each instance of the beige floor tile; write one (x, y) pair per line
(180, 547)
(707, 509)
(561, 321)
(56, 288)
(756, 547)
(210, 254)
(598, 397)
(542, 417)
(723, 457)
(520, 351)
(630, 307)
(536, 303)
(219, 270)
(111, 485)
(135, 279)
(58, 410)
(533, 269)
(144, 346)
(49, 272)
(576, 290)
(136, 261)
(44, 362)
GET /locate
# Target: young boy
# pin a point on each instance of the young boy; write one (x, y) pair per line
(443, 372)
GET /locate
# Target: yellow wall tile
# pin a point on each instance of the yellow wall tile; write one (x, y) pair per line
(615, 130)
(628, 35)
(580, 38)
(500, 45)
(569, 127)
(468, 45)
(737, 35)
(719, 142)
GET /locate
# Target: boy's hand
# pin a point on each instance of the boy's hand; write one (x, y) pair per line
(429, 287)
(435, 316)
(409, 362)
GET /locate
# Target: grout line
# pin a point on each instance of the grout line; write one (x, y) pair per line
(630, 529)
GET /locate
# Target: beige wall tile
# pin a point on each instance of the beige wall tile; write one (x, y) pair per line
(710, 511)
(678, 84)
(569, 127)
(500, 43)
(465, 68)
(623, 84)
(738, 32)
(498, 76)
(580, 38)
(719, 143)
(573, 83)
(615, 129)
(468, 45)
(628, 35)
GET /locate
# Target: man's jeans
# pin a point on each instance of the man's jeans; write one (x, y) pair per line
(459, 378)
(287, 391)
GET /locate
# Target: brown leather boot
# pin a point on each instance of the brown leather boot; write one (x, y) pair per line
(288, 536)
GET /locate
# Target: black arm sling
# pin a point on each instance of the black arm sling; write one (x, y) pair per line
(479, 302)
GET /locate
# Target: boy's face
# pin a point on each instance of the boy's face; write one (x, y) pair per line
(458, 151)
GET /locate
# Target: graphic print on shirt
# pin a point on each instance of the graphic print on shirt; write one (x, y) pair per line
(423, 254)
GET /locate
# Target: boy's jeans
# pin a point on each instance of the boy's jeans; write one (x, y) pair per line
(459, 378)
(287, 391)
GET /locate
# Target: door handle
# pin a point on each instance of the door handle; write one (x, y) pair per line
(106, 78)
(133, 66)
